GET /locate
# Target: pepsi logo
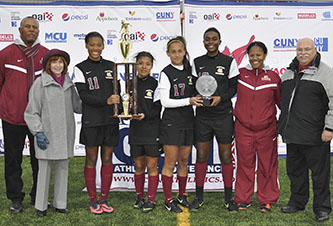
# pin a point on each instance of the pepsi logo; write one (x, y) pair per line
(228, 16)
(65, 17)
(154, 37)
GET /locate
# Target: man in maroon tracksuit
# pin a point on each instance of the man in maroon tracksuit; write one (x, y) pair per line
(20, 65)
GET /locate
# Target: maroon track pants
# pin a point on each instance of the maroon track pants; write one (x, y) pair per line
(253, 146)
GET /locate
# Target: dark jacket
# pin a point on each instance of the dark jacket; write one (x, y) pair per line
(307, 103)
(94, 82)
(146, 131)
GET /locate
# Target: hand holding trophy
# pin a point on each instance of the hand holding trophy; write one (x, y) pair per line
(129, 102)
(206, 85)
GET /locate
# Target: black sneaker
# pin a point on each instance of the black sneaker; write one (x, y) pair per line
(182, 200)
(196, 204)
(148, 206)
(139, 203)
(15, 207)
(231, 206)
(243, 206)
(173, 207)
(265, 208)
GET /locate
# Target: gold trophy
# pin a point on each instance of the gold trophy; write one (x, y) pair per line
(125, 45)
(129, 101)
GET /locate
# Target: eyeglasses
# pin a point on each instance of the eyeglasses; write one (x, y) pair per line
(307, 49)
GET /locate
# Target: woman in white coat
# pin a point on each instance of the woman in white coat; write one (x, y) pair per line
(50, 118)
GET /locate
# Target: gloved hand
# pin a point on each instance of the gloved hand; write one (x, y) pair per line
(41, 140)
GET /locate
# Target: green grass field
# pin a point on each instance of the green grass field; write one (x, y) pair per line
(211, 214)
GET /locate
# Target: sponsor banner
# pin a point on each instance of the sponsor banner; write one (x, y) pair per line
(65, 28)
(279, 26)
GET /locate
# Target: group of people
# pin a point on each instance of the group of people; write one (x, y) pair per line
(38, 99)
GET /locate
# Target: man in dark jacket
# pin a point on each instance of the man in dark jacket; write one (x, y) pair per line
(20, 65)
(306, 126)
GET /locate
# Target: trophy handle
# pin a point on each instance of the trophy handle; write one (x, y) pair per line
(135, 90)
(115, 89)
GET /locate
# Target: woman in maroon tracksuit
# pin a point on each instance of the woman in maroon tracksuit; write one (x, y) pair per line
(258, 94)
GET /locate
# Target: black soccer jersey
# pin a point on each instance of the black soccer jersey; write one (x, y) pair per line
(224, 69)
(146, 131)
(94, 82)
(181, 86)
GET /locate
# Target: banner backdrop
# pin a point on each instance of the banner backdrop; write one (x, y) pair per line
(279, 26)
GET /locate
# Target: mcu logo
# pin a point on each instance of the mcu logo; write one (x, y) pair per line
(56, 37)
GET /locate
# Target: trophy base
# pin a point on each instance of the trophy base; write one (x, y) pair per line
(206, 102)
(122, 116)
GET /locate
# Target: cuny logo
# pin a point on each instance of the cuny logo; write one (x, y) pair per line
(67, 17)
(101, 17)
(289, 44)
(56, 37)
(284, 44)
(302, 16)
(239, 17)
(212, 17)
(154, 37)
(43, 17)
(165, 16)
(321, 44)
(6, 37)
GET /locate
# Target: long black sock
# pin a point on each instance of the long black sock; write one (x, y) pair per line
(227, 193)
(199, 193)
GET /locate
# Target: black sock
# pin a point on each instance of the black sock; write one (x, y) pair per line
(227, 193)
(199, 193)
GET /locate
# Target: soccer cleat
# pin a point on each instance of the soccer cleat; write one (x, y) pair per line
(139, 203)
(265, 208)
(243, 206)
(105, 206)
(95, 208)
(173, 207)
(148, 206)
(182, 200)
(196, 204)
(231, 205)
(16, 207)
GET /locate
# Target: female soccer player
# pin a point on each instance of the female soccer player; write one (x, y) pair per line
(144, 133)
(94, 81)
(176, 131)
(258, 94)
(215, 119)
(50, 117)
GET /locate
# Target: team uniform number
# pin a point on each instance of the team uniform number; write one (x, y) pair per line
(179, 89)
(93, 83)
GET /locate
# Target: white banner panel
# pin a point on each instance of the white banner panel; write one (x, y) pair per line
(278, 25)
(65, 26)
